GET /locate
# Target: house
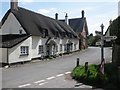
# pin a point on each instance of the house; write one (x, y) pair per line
(27, 35)
(108, 42)
(79, 25)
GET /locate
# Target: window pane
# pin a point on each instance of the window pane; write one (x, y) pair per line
(40, 50)
(24, 50)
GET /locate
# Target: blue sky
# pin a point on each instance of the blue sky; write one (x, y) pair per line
(96, 12)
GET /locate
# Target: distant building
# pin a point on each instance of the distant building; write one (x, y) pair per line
(79, 25)
(108, 42)
(27, 35)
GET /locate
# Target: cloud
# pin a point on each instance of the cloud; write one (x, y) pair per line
(48, 12)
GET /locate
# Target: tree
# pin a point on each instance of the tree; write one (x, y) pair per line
(93, 39)
(115, 30)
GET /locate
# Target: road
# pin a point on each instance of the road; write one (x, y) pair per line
(50, 73)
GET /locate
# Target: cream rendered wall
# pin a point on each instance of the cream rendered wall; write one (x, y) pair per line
(36, 41)
(61, 41)
(3, 55)
(14, 52)
(11, 26)
(75, 41)
(64, 41)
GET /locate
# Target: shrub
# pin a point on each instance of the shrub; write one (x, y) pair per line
(92, 76)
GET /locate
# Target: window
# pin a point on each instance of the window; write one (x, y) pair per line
(65, 47)
(74, 46)
(20, 32)
(63, 35)
(56, 48)
(60, 47)
(56, 35)
(45, 33)
(70, 35)
(71, 46)
(24, 50)
(40, 50)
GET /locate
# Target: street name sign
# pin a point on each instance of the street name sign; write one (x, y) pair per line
(109, 38)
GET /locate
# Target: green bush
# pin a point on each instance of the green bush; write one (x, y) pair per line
(112, 73)
(92, 76)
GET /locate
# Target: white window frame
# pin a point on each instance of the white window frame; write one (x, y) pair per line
(24, 50)
(40, 49)
(65, 47)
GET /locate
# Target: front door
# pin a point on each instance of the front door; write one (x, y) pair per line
(47, 50)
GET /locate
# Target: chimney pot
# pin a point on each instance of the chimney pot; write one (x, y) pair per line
(56, 16)
(66, 15)
(66, 18)
(83, 13)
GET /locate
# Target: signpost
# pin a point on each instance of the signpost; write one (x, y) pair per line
(107, 38)
(102, 48)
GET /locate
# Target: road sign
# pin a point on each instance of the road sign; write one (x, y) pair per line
(110, 38)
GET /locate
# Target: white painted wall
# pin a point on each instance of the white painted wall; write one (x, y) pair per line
(36, 41)
(14, 52)
(3, 55)
(11, 26)
(75, 41)
(33, 42)
(64, 41)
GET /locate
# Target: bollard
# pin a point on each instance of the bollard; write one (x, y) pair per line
(119, 73)
(86, 66)
(77, 64)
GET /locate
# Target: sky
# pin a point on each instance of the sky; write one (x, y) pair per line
(96, 11)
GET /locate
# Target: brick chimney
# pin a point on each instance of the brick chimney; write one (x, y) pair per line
(83, 13)
(14, 4)
(66, 18)
(56, 16)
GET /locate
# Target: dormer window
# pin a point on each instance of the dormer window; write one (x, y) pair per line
(70, 35)
(63, 35)
(44, 33)
(56, 35)
(20, 31)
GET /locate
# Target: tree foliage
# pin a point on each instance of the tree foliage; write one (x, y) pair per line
(93, 39)
(115, 29)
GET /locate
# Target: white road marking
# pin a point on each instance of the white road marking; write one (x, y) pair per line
(50, 78)
(59, 75)
(67, 72)
(43, 83)
(24, 85)
(39, 81)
